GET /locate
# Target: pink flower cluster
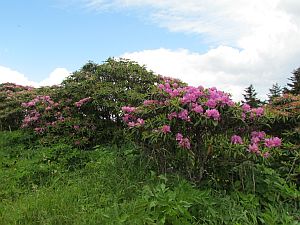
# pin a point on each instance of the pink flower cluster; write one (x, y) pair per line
(39, 130)
(166, 129)
(128, 109)
(32, 116)
(43, 99)
(258, 112)
(184, 115)
(130, 119)
(213, 113)
(255, 112)
(272, 142)
(35, 111)
(183, 142)
(235, 139)
(258, 137)
(189, 104)
(197, 99)
(82, 101)
(139, 122)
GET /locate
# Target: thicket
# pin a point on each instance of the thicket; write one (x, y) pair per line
(197, 133)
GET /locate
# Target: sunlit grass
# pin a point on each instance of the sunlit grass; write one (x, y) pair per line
(113, 185)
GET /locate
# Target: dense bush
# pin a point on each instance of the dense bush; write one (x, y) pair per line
(191, 130)
(86, 108)
(284, 120)
(285, 113)
(11, 97)
(240, 174)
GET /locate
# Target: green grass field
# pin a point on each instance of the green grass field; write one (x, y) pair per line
(57, 184)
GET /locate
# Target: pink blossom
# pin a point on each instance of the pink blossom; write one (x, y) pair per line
(76, 127)
(80, 102)
(272, 142)
(246, 107)
(175, 85)
(140, 122)
(167, 86)
(172, 115)
(128, 109)
(179, 137)
(127, 117)
(39, 130)
(161, 86)
(211, 103)
(258, 134)
(185, 143)
(213, 113)
(166, 129)
(255, 140)
(197, 108)
(184, 115)
(131, 124)
(257, 112)
(243, 116)
(174, 93)
(235, 139)
(253, 148)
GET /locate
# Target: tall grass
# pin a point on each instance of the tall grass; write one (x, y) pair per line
(58, 184)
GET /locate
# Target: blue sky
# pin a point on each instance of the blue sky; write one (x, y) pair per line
(227, 44)
(42, 35)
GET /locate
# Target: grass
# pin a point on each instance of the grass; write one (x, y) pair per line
(58, 184)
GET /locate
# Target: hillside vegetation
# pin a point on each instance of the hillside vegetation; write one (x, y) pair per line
(117, 144)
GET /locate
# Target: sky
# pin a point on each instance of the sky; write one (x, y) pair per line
(228, 44)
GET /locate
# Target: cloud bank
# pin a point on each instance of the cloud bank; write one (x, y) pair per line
(252, 42)
(13, 76)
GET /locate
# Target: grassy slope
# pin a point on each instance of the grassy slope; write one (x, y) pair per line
(61, 185)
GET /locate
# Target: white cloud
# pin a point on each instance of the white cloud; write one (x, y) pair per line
(10, 75)
(55, 77)
(254, 41)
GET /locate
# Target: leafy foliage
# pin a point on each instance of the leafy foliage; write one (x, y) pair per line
(57, 170)
(85, 109)
(189, 129)
(11, 97)
(114, 186)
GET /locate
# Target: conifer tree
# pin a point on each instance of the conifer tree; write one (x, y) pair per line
(295, 85)
(275, 91)
(250, 97)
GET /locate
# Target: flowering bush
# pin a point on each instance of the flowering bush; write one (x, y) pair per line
(11, 97)
(85, 109)
(284, 113)
(58, 120)
(184, 127)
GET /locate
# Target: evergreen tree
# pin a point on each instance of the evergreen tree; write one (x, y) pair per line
(295, 85)
(250, 97)
(275, 91)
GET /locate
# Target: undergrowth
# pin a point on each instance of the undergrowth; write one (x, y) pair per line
(59, 184)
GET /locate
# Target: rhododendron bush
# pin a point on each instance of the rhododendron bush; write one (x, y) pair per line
(85, 109)
(56, 120)
(285, 112)
(11, 97)
(186, 128)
